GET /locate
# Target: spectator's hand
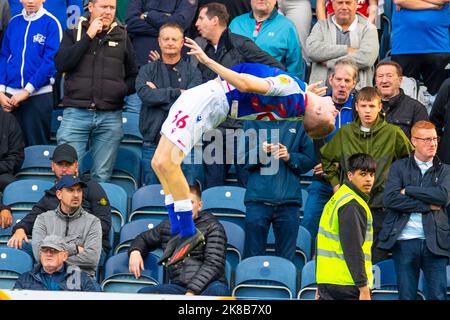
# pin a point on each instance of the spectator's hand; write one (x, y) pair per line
(336, 187)
(150, 84)
(317, 295)
(136, 263)
(364, 293)
(95, 27)
(267, 147)
(402, 191)
(351, 50)
(17, 238)
(80, 249)
(435, 207)
(19, 97)
(195, 50)
(154, 56)
(318, 170)
(5, 102)
(314, 88)
(5, 218)
(281, 152)
(189, 293)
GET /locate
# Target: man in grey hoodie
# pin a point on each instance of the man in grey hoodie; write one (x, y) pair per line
(343, 34)
(81, 230)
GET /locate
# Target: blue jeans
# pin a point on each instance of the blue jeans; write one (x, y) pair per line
(409, 257)
(215, 288)
(192, 171)
(319, 192)
(101, 129)
(133, 103)
(285, 219)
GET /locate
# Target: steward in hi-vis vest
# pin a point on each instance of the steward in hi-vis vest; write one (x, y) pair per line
(344, 241)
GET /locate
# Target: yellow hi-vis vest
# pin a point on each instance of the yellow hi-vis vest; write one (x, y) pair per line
(331, 267)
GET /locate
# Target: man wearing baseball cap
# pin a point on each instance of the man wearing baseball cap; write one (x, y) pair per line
(81, 229)
(94, 201)
(53, 273)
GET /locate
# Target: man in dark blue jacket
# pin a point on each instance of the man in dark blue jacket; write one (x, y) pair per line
(158, 85)
(53, 273)
(145, 17)
(273, 194)
(416, 227)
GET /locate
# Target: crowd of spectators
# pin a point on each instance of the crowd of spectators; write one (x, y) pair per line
(113, 54)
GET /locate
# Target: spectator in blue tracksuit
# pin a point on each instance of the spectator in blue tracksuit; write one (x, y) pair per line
(27, 70)
(343, 81)
(66, 11)
(281, 154)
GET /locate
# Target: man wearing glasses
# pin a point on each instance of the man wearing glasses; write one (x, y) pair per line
(416, 227)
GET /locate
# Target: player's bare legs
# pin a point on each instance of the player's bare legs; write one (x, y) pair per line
(167, 165)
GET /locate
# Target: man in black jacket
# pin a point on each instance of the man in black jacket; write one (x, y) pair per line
(145, 17)
(203, 272)
(158, 85)
(95, 201)
(228, 49)
(416, 226)
(11, 148)
(441, 119)
(399, 108)
(99, 65)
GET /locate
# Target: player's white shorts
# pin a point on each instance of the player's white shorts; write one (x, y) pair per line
(195, 111)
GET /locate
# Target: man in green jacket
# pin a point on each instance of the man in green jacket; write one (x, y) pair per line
(368, 133)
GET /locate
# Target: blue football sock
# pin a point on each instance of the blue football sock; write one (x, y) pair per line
(187, 227)
(183, 208)
(173, 217)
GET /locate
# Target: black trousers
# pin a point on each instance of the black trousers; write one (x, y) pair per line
(429, 66)
(5, 179)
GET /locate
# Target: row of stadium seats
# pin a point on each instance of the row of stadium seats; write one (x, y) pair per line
(261, 277)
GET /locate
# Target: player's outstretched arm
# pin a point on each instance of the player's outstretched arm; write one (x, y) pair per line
(241, 82)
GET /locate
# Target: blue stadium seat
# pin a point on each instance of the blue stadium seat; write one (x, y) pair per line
(57, 116)
(303, 247)
(148, 202)
(132, 137)
(5, 234)
(21, 195)
(118, 200)
(13, 263)
(119, 279)
(226, 203)
(37, 163)
(235, 247)
(132, 229)
(308, 283)
(385, 41)
(126, 172)
(265, 277)
(228, 274)
(385, 282)
(448, 282)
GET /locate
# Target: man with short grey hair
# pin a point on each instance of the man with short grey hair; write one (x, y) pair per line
(53, 273)
(343, 34)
